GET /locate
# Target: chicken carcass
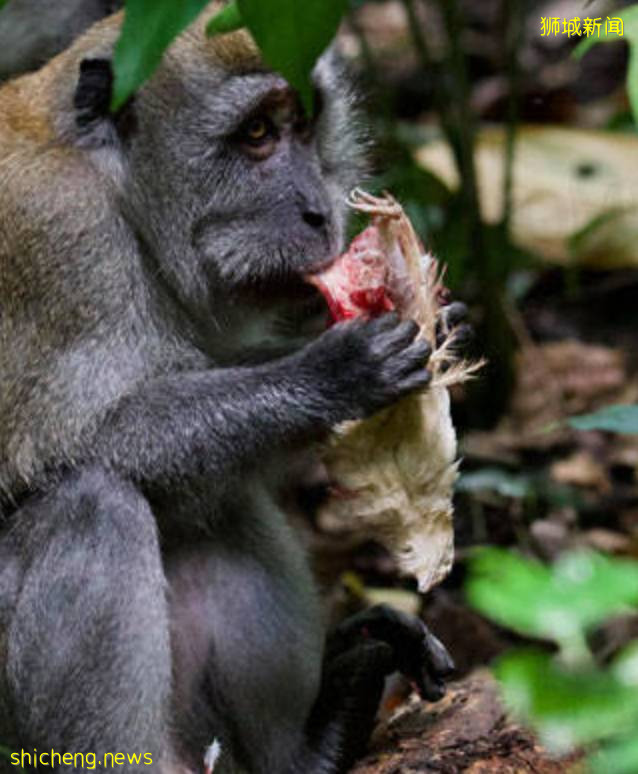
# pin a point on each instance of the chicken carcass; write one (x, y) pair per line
(394, 473)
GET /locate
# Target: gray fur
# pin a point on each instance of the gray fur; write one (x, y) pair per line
(32, 31)
(159, 374)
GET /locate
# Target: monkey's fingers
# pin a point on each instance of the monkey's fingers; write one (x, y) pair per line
(418, 654)
(453, 316)
(436, 665)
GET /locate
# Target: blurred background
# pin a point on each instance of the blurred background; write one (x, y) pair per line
(511, 142)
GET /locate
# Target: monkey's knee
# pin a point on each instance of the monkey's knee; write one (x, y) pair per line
(91, 500)
(88, 647)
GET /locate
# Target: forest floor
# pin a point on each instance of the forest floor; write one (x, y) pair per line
(468, 730)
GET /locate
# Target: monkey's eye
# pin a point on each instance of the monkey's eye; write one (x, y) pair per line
(258, 130)
(258, 137)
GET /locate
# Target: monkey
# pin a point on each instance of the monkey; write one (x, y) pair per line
(33, 31)
(163, 366)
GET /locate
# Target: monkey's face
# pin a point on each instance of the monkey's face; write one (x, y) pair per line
(233, 192)
(271, 211)
(245, 192)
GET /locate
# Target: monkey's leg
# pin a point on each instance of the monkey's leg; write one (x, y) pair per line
(362, 652)
(87, 646)
(247, 642)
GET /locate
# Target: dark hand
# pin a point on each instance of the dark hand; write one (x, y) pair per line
(453, 318)
(415, 652)
(362, 366)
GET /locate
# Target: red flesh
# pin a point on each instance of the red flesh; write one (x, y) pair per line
(355, 284)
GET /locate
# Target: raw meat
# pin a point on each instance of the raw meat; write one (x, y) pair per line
(394, 473)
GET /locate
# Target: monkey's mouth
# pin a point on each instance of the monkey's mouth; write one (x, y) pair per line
(292, 291)
(319, 266)
(311, 300)
(284, 287)
(308, 309)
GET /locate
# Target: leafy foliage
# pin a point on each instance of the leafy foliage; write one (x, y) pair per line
(559, 603)
(570, 701)
(570, 707)
(615, 419)
(291, 36)
(620, 758)
(227, 20)
(149, 28)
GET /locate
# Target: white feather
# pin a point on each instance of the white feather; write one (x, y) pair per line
(396, 470)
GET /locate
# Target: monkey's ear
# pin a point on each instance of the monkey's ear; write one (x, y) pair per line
(92, 101)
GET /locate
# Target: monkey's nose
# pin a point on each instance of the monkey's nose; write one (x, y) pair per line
(314, 219)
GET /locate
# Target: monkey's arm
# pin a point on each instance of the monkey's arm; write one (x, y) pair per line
(220, 421)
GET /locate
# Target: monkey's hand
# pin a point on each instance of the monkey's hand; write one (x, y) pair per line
(453, 320)
(360, 654)
(416, 652)
(362, 366)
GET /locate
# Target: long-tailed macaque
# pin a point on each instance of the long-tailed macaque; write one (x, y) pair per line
(162, 365)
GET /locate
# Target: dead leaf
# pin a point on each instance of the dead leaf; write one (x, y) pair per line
(554, 380)
(608, 541)
(581, 469)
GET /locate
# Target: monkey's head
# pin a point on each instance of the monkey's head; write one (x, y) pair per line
(234, 191)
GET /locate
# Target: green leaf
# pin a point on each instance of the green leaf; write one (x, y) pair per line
(292, 35)
(615, 419)
(630, 22)
(625, 665)
(567, 707)
(227, 20)
(585, 44)
(149, 28)
(619, 758)
(560, 602)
